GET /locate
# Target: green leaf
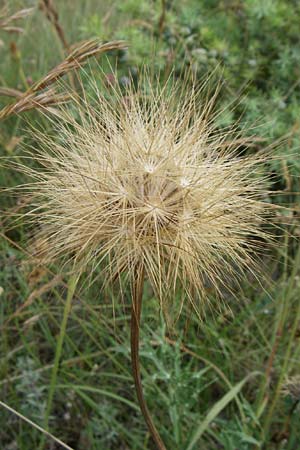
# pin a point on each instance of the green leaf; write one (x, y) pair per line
(79, 389)
(217, 408)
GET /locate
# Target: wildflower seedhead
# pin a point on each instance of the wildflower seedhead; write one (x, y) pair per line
(146, 180)
(6, 20)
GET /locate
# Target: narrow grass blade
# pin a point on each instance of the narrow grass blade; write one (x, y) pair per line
(217, 408)
(104, 392)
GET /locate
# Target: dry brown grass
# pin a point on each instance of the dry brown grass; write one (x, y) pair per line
(39, 95)
(77, 58)
(34, 100)
(7, 20)
(48, 7)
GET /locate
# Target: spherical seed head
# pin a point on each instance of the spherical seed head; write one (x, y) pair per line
(147, 180)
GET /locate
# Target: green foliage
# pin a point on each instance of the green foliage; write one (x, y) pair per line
(190, 378)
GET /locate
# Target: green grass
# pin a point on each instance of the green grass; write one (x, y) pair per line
(210, 385)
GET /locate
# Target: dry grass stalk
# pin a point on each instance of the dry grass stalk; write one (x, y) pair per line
(10, 92)
(32, 98)
(162, 18)
(36, 293)
(52, 15)
(6, 20)
(146, 186)
(77, 58)
(35, 100)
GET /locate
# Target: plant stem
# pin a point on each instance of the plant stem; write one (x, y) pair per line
(34, 425)
(263, 396)
(291, 339)
(71, 289)
(161, 23)
(135, 338)
(283, 371)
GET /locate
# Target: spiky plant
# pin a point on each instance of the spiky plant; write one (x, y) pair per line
(144, 185)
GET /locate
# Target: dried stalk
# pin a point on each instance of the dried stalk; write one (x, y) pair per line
(162, 19)
(10, 92)
(33, 98)
(6, 20)
(76, 59)
(135, 361)
(52, 15)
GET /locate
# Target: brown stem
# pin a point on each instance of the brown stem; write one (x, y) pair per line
(52, 16)
(161, 23)
(135, 362)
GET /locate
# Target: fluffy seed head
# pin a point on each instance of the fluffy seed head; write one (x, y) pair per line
(144, 178)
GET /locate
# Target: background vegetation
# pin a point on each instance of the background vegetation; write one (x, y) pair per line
(227, 383)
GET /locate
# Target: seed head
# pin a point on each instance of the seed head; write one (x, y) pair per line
(7, 21)
(147, 180)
